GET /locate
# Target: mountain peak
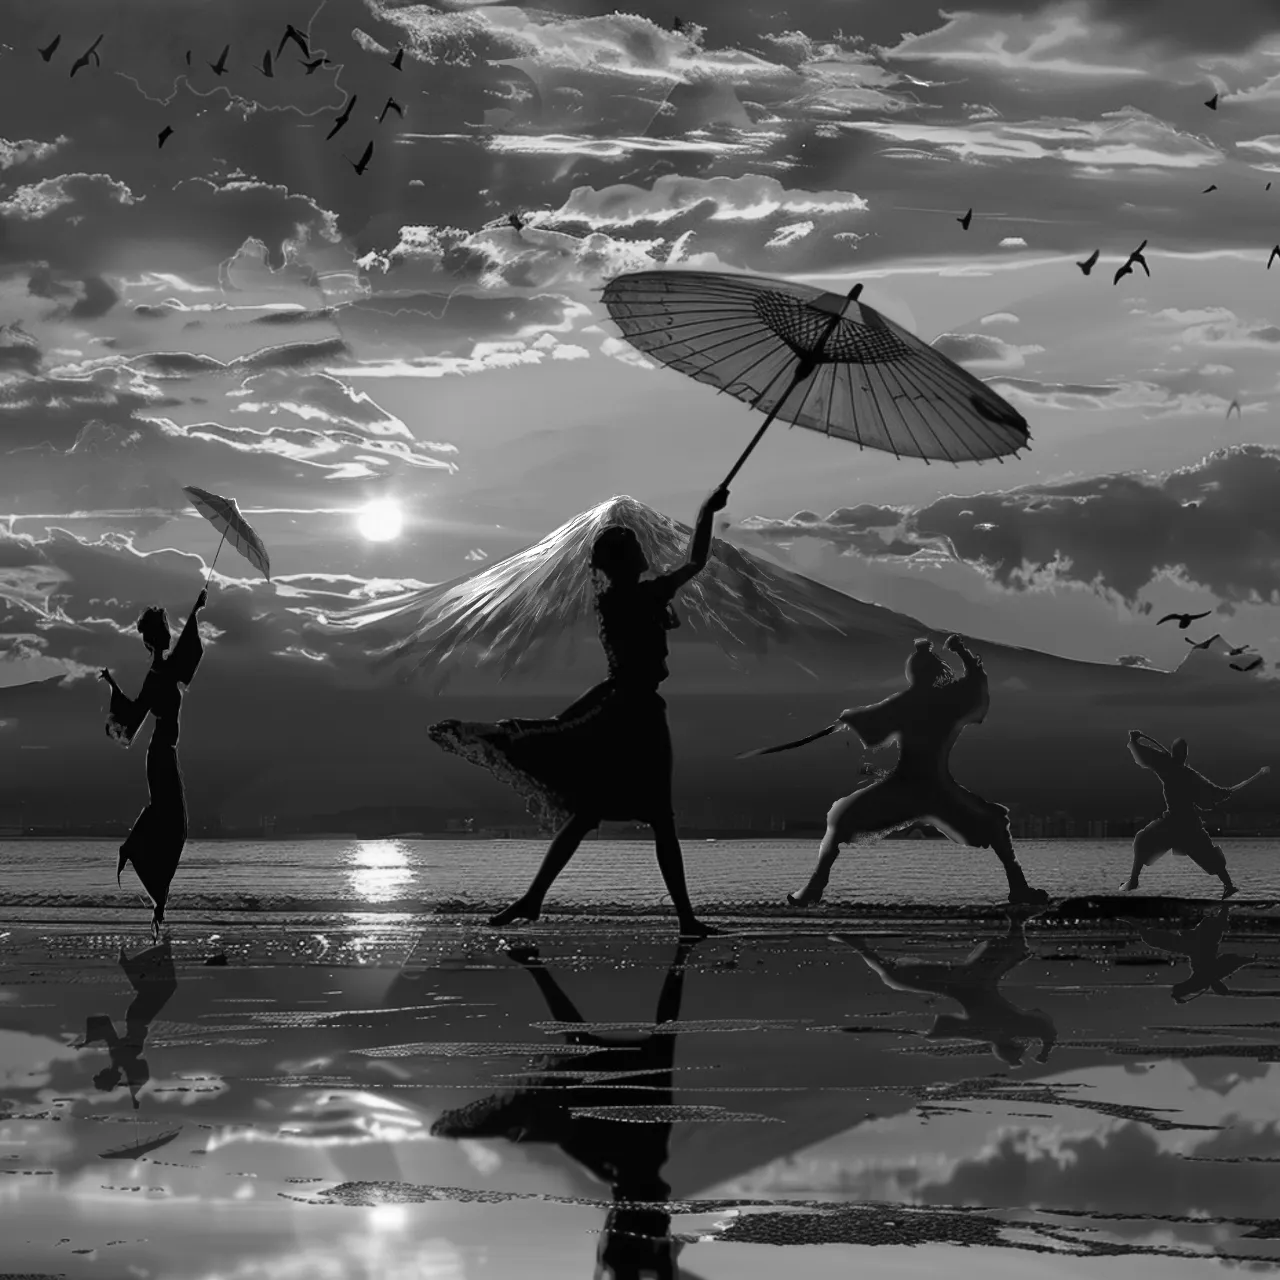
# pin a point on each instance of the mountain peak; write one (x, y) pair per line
(508, 614)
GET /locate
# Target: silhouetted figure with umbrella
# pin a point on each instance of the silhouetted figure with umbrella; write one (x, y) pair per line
(608, 756)
(627, 1154)
(1199, 945)
(152, 975)
(974, 983)
(925, 720)
(155, 843)
(157, 839)
(1180, 829)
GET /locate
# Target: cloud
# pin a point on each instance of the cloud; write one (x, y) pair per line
(749, 198)
(1218, 327)
(984, 352)
(1013, 242)
(1000, 317)
(1212, 525)
(789, 235)
(1119, 139)
(13, 153)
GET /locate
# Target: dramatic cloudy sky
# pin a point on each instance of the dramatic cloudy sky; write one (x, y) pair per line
(243, 311)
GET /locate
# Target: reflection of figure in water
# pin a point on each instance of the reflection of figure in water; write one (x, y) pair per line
(926, 719)
(1200, 945)
(151, 973)
(627, 1154)
(155, 844)
(608, 756)
(1180, 829)
(974, 983)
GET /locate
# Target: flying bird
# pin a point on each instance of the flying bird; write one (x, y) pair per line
(515, 221)
(90, 52)
(1235, 404)
(1275, 253)
(165, 134)
(265, 68)
(48, 51)
(1257, 662)
(292, 33)
(968, 218)
(1212, 104)
(1268, 186)
(677, 24)
(1184, 620)
(1087, 265)
(219, 68)
(398, 60)
(1204, 644)
(392, 105)
(313, 65)
(1127, 268)
(1235, 653)
(363, 162)
(343, 118)
(188, 57)
(1213, 186)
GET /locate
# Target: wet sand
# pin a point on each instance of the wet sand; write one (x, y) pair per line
(790, 1101)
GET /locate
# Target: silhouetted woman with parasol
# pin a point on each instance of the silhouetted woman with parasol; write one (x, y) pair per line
(627, 1154)
(608, 756)
(155, 843)
(925, 720)
(157, 839)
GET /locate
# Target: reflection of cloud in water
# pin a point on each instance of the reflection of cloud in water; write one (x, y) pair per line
(377, 870)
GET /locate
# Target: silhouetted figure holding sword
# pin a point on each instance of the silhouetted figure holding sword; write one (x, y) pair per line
(925, 720)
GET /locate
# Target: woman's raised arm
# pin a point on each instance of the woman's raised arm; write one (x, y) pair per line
(699, 544)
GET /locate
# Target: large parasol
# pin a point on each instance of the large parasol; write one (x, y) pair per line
(224, 515)
(817, 360)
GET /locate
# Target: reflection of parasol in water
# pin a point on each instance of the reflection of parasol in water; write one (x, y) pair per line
(817, 360)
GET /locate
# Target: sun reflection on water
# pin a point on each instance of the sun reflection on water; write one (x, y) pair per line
(377, 870)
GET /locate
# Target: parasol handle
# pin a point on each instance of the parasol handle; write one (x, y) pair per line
(803, 369)
(214, 561)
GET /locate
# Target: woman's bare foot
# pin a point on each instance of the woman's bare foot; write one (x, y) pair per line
(520, 909)
(809, 896)
(1128, 886)
(694, 928)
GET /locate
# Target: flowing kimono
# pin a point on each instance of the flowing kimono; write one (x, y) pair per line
(608, 755)
(155, 843)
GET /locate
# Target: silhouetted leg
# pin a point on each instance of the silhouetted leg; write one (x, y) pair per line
(1208, 857)
(879, 807)
(563, 847)
(1149, 845)
(983, 824)
(671, 864)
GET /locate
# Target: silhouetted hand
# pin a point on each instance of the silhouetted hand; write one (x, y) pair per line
(106, 675)
(717, 500)
(202, 599)
(1135, 734)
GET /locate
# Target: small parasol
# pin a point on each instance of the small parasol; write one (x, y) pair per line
(224, 515)
(817, 360)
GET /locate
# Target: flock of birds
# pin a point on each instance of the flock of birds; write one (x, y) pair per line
(265, 68)
(1184, 620)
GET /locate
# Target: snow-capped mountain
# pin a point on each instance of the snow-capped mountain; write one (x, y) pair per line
(527, 615)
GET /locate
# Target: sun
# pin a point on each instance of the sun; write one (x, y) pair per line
(380, 521)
